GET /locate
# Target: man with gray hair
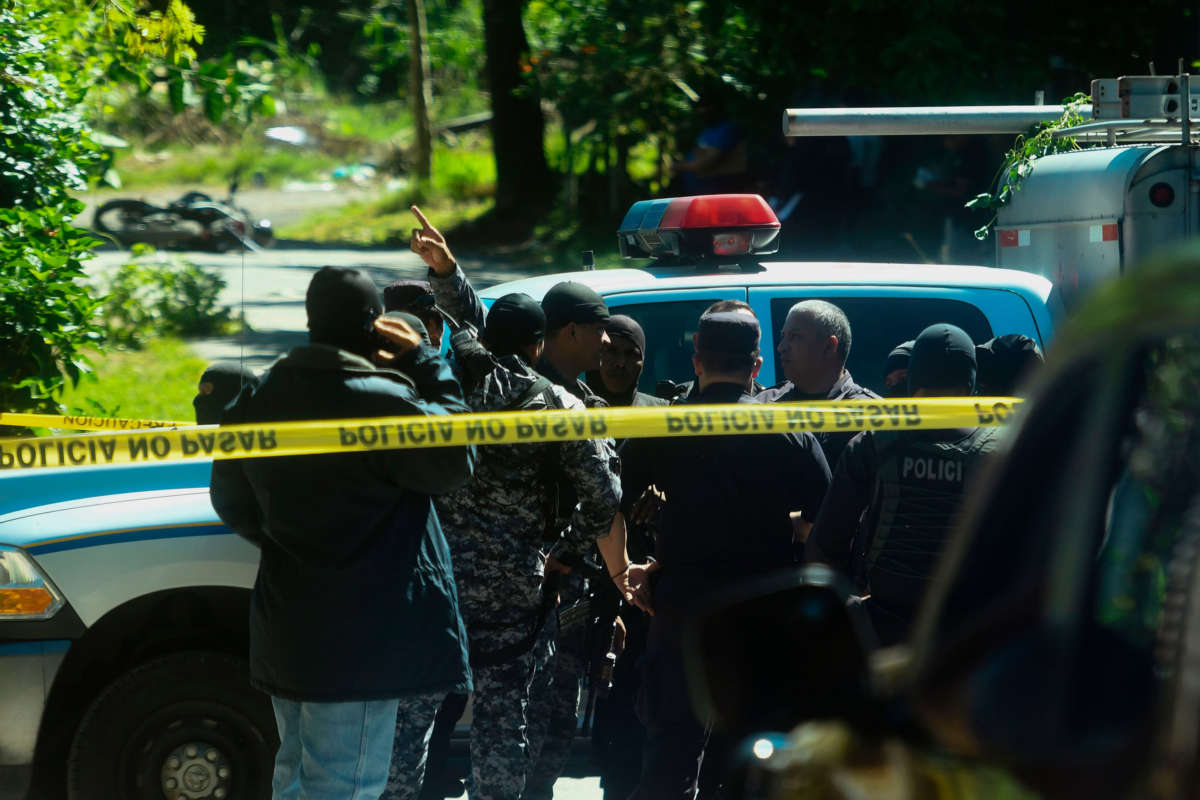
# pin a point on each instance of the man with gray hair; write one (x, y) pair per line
(813, 347)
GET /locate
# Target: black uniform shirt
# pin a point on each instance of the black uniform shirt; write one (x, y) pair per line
(728, 500)
(833, 443)
(833, 539)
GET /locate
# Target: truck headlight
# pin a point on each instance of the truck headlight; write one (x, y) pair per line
(25, 593)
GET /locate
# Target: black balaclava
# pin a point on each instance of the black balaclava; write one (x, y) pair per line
(627, 328)
(621, 325)
(219, 384)
(897, 359)
(943, 356)
(342, 306)
(1004, 362)
(514, 322)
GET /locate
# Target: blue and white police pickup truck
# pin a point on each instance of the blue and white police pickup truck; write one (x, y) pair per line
(124, 600)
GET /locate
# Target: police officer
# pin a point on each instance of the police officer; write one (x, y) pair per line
(218, 386)
(495, 525)
(621, 363)
(576, 317)
(416, 297)
(1005, 362)
(895, 370)
(909, 484)
(617, 734)
(724, 522)
(576, 320)
(813, 347)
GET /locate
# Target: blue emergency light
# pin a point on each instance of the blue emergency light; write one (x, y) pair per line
(722, 227)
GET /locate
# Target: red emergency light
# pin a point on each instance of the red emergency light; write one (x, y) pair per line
(724, 227)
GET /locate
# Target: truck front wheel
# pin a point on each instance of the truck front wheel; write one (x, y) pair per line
(187, 726)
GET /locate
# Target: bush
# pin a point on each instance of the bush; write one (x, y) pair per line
(47, 313)
(157, 295)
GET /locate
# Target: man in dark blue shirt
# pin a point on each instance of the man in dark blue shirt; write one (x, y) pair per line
(725, 520)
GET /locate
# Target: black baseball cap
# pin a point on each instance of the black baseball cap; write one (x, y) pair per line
(730, 333)
(409, 295)
(569, 302)
(514, 321)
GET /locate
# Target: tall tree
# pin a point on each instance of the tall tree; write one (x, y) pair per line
(419, 87)
(518, 127)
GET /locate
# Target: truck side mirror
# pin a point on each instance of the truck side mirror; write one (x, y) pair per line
(780, 650)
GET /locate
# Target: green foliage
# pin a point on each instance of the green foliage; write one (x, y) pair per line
(53, 53)
(47, 150)
(119, 386)
(157, 295)
(455, 31)
(1018, 161)
(48, 316)
(625, 67)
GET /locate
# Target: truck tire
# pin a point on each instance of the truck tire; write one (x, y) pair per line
(187, 726)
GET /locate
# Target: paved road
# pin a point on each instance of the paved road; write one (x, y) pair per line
(270, 286)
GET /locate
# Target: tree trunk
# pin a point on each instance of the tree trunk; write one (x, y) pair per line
(420, 89)
(518, 127)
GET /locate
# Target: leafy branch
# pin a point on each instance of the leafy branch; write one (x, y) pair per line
(1028, 148)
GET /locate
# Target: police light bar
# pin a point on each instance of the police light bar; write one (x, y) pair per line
(714, 226)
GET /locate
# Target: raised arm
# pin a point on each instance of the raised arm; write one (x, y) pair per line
(453, 291)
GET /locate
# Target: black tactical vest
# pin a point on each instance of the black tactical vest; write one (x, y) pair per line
(918, 493)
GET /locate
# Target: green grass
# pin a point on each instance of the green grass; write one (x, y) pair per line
(211, 165)
(156, 382)
(354, 133)
(464, 179)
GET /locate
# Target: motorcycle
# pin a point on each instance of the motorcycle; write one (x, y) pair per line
(193, 222)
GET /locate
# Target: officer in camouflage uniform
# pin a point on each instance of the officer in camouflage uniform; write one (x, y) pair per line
(495, 525)
(577, 330)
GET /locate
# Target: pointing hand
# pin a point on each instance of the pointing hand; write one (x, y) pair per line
(428, 242)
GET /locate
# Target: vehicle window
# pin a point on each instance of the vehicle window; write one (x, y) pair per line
(669, 328)
(878, 324)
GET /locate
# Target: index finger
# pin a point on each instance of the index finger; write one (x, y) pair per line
(421, 217)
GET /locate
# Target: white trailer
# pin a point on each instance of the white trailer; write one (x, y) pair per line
(1079, 217)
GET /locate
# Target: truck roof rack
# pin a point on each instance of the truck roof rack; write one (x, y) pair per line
(1125, 110)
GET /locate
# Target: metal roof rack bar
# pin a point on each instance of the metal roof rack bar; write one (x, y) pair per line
(910, 121)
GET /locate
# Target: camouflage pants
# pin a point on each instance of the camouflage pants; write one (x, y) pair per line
(414, 725)
(499, 740)
(553, 707)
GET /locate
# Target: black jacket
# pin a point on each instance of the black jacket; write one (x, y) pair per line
(355, 597)
(832, 442)
(728, 500)
(894, 500)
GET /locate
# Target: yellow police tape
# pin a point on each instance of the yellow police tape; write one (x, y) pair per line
(86, 423)
(508, 427)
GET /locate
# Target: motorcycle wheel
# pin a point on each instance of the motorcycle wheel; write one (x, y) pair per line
(124, 220)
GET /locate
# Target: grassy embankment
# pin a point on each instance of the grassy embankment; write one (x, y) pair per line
(156, 382)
